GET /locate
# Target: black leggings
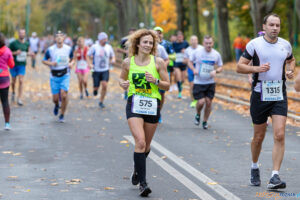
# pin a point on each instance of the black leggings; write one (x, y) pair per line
(5, 103)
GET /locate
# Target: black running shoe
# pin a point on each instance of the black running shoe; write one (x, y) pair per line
(255, 177)
(204, 125)
(86, 93)
(144, 190)
(275, 183)
(197, 120)
(134, 178)
(101, 105)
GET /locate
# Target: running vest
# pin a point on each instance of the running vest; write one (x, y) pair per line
(261, 51)
(137, 79)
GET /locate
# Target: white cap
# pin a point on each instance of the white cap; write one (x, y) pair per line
(33, 34)
(102, 36)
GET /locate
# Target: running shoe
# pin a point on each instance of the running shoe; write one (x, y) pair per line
(204, 125)
(275, 183)
(255, 177)
(86, 93)
(20, 103)
(134, 178)
(55, 110)
(101, 105)
(81, 96)
(144, 190)
(13, 97)
(179, 95)
(193, 104)
(61, 118)
(7, 126)
(197, 120)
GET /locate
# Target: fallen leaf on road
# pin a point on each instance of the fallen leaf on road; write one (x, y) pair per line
(126, 177)
(124, 142)
(17, 154)
(64, 190)
(213, 170)
(73, 181)
(28, 190)
(109, 188)
(89, 189)
(175, 190)
(212, 183)
(7, 152)
(11, 165)
(127, 145)
(163, 157)
(54, 184)
(12, 177)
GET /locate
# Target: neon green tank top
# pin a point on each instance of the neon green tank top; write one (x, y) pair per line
(137, 79)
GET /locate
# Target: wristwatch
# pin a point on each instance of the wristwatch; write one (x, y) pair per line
(156, 82)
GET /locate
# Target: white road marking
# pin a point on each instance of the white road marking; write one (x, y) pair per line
(191, 170)
(177, 175)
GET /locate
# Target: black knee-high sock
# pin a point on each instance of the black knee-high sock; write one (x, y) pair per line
(179, 85)
(140, 166)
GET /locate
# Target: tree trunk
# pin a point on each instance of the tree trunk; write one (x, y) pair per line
(180, 14)
(290, 21)
(223, 35)
(122, 22)
(260, 8)
(194, 17)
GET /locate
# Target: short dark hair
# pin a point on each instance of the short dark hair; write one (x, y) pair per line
(269, 15)
(179, 32)
(207, 37)
(2, 40)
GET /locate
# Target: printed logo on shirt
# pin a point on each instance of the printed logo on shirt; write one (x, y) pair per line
(142, 86)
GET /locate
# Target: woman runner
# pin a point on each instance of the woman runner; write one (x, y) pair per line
(82, 68)
(6, 60)
(143, 74)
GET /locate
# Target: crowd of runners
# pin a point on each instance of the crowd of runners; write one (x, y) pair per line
(153, 66)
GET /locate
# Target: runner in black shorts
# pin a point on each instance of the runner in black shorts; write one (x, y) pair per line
(100, 56)
(179, 67)
(273, 61)
(143, 75)
(205, 60)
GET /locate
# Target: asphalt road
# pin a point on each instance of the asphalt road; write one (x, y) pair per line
(91, 155)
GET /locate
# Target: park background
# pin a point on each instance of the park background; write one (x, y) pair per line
(223, 19)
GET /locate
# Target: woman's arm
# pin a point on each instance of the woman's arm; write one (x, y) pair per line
(124, 82)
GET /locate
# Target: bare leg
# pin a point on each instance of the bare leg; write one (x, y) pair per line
(278, 123)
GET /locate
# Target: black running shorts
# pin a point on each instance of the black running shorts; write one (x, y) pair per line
(100, 76)
(181, 66)
(153, 119)
(261, 110)
(202, 91)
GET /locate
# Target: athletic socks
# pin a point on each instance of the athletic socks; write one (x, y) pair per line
(254, 165)
(140, 166)
(179, 85)
(274, 172)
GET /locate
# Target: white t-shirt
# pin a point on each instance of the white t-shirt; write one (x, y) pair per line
(34, 44)
(190, 50)
(101, 56)
(205, 63)
(261, 52)
(161, 52)
(61, 56)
